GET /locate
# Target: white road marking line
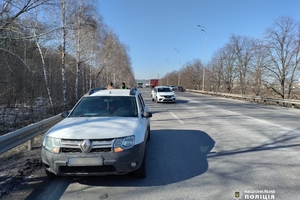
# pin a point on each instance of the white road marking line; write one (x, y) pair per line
(254, 119)
(177, 118)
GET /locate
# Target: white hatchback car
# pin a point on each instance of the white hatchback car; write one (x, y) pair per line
(163, 94)
(105, 133)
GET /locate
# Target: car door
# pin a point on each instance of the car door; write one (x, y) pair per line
(153, 93)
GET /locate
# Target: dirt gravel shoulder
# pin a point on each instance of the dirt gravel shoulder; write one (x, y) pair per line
(21, 171)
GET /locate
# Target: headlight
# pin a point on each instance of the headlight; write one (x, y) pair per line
(52, 144)
(122, 144)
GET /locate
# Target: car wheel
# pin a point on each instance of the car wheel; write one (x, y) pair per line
(50, 174)
(141, 172)
(156, 100)
(148, 138)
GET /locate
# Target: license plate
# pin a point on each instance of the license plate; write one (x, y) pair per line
(85, 161)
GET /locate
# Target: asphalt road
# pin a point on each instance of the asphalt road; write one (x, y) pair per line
(204, 147)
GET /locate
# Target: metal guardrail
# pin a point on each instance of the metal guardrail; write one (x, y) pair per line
(28, 133)
(258, 99)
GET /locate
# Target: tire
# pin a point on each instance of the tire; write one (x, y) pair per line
(156, 99)
(141, 172)
(148, 138)
(50, 174)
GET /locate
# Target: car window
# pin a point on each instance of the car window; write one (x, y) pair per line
(166, 89)
(126, 108)
(142, 100)
(141, 103)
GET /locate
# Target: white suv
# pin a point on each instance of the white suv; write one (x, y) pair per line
(163, 94)
(105, 133)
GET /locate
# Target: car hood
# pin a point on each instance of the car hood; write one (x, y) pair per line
(94, 127)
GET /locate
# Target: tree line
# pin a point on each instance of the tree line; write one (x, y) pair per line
(57, 49)
(54, 51)
(261, 67)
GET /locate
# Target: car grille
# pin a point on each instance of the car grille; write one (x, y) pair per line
(97, 146)
(167, 96)
(71, 150)
(87, 169)
(78, 150)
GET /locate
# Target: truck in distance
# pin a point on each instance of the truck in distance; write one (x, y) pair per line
(153, 83)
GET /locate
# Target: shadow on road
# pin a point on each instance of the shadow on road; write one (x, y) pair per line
(172, 156)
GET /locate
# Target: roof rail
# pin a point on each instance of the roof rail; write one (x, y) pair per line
(132, 91)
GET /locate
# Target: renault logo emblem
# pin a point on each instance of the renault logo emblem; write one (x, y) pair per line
(85, 146)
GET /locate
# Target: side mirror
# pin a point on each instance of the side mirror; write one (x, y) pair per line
(64, 114)
(147, 114)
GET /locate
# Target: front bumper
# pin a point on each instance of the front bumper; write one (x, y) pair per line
(86, 163)
(166, 99)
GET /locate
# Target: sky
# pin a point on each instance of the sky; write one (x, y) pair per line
(163, 35)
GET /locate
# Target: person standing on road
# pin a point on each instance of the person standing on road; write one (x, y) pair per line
(123, 86)
(110, 86)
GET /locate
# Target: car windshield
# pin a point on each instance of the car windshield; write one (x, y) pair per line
(103, 106)
(166, 89)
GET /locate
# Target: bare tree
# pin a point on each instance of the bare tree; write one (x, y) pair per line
(108, 54)
(257, 71)
(84, 26)
(224, 68)
(63, 51)
(191, 74)
(13, 9)
(217, 65)
(243, 49)
(36, 39)
(115, 62)
(282, 44)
